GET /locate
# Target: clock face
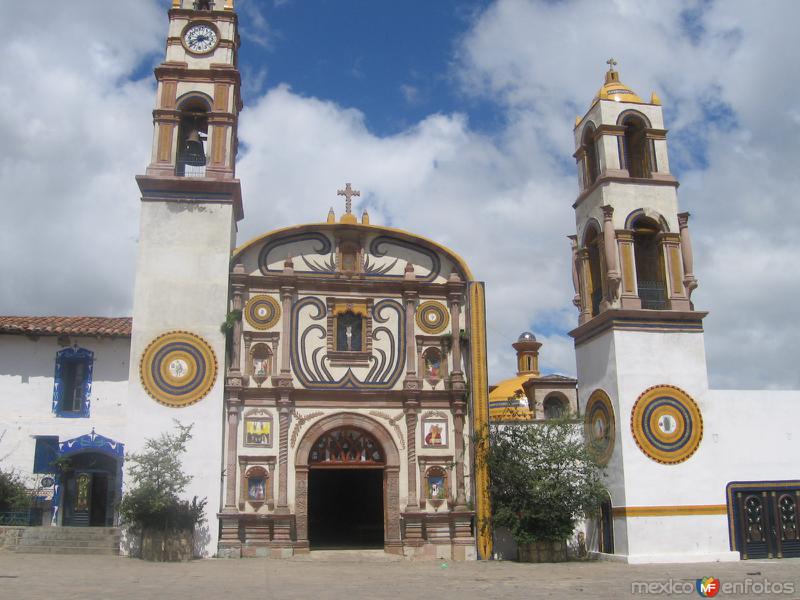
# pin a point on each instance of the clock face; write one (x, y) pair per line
(200, 38)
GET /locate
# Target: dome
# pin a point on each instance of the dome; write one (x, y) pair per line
(614, 89)
(526, 336)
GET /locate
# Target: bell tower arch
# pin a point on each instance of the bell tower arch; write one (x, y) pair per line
(191, 202)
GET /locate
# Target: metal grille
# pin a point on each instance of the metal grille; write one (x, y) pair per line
(653, 295)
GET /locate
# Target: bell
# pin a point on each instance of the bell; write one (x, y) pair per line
(193, 148)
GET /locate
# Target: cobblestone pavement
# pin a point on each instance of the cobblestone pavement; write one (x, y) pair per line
(35, 577)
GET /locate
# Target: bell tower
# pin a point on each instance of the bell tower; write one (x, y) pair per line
(639, 345)
(191, 202)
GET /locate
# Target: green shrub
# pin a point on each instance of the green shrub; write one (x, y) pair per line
(543, 480)
(153, 501)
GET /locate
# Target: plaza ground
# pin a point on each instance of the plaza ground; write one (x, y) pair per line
(349, 576)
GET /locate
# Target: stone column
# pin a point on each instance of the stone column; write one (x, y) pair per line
(393, 542)
(282, 525)
(234, 408)
(459, 411)
(629, 298)
(411, 409)
(576, 299)
(689, 280)
(670, 248)
(285, 419)
(301, 504)
(236, 340)
(583, 280)
(287, 293)
(611, 258)
(410, 303)
(455, 298)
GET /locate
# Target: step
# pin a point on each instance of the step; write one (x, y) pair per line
(348, 556)
(69, 536)
(70, 543)
(65, 550)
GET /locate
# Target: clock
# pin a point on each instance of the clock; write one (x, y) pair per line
(200, 38)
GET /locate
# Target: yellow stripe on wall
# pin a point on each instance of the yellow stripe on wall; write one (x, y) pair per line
(670, 511)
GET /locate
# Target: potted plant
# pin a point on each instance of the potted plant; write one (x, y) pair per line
(543, 481)
(152, 507)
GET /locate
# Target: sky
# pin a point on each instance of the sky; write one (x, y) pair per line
(453, 118)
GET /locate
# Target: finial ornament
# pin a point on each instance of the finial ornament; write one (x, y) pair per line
(611, 64)
(348, 192)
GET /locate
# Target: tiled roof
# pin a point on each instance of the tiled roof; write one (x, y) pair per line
(555, 377)
(89, 326)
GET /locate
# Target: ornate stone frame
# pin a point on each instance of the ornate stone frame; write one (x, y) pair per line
(425, 343)
(391, 474)
(339, 357)
(437, 417)
(444, 462)
(251, 338)
(261, 415)
(248, 464)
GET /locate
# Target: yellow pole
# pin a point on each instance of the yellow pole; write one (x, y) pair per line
(479, 385)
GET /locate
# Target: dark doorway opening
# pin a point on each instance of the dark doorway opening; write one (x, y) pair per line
(90, 491)
(345, 508)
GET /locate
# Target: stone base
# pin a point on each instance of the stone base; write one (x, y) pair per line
(543, 552)
(177, 546)
(644, 559)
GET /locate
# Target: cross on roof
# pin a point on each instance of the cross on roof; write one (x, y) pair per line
(348, 192)
(611, 64)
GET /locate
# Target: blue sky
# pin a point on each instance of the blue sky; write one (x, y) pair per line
(455, 121)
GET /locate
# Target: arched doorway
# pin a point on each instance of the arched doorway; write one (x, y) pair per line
(347, 485)
(89, 485)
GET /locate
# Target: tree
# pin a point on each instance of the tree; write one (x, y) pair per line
(543, 480)
(157, 477)
(14, 493)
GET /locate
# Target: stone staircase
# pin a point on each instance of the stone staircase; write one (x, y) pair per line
(69, 540)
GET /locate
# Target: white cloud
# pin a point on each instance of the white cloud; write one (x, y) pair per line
(70, 204)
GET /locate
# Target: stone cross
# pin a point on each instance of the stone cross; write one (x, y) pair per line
(611, 64)
(348, 192)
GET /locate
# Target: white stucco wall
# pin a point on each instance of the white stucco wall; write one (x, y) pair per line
(27, 369)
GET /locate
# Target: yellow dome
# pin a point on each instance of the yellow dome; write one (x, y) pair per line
(614, 89)
(507, 402)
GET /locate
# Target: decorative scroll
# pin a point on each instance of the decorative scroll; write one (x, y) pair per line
(322, 248)
(377, 248)
(301, 420)
(393, 421)
(346, 446)
(178, 368)
(312, 365)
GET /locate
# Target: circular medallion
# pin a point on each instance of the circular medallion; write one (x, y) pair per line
(200, 38)
(262, 312)
(599, 426)
(178, 368)
(666, 424)
(432, 317)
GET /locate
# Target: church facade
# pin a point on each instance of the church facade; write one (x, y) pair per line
(335, 372)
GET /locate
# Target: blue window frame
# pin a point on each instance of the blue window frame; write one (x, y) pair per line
(73, 382)
(45, 454)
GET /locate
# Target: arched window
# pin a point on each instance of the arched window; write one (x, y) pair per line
(260, 363)
(436, 483)
(204, 5)
(346, 446)
(649, 263)
(554, 407)
(349, 332)
(637, 155)
(595, 284)
(591, 166)
(192, 136)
